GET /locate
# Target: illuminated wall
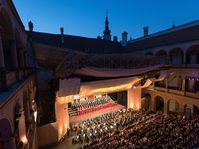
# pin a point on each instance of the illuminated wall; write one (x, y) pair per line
(134, 98)
(62, 118)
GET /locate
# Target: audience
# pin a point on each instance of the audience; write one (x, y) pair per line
(129, 129)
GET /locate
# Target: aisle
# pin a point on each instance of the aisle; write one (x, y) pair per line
(79, 118)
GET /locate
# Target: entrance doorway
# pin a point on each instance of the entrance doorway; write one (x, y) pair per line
(159, 103)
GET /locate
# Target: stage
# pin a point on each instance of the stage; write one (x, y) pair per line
(79, 118)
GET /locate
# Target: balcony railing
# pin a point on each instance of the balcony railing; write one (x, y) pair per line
(178, 92)
(194, 95)
(161, 89)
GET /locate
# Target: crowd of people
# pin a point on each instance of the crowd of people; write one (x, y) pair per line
(86, 103)
(85, 106)
(126, 129)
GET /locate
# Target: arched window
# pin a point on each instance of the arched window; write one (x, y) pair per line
(192, 55)
(176, 56)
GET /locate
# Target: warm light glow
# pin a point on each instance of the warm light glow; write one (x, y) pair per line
(77, 96)
(35, 116)
(134, 98)
(138, 106)
(129, 87)
(107, 86)
(131, 105)
(60, 130)
(66, 125)
(66, 99)
(110, 89)
(24, 140)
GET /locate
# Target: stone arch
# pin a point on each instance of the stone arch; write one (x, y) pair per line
(176, 56)
(16, 117)
(161, 54)
(149, 53)
(196, 110)
(192, 55)
(26, 106)
(5, 116)
(146, 102)
(6, 135)
(7, 36)
(173, 106)
(191, 109)
(159, 103)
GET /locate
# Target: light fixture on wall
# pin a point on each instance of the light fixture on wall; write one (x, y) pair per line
(24, 139)
(129, 87)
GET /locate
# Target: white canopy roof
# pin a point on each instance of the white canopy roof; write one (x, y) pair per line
(112, 72)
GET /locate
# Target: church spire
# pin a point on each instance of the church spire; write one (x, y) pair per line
(107, 32)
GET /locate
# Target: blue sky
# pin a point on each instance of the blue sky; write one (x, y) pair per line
(87, 17)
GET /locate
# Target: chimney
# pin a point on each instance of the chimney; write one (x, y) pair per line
(30, 25)
(146, 31)
(99, 37)
(62, 34)
(115, 38)
(124, 38)
(173, 25)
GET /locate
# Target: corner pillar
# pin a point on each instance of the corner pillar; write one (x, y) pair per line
(62, 118)
(184, 57)
(183, 84)
(134, 98)
(153, 104)
(181, 108)
(14, 53)
(166, 106)
(22, 129)
(2, 63)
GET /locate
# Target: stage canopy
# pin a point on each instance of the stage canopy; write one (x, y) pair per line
(112, 72)
(73, 86)
(68, 88)
(107, 86)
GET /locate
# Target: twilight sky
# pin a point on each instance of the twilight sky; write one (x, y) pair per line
(87, 17)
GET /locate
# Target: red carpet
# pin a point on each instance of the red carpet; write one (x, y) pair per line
(95, 113)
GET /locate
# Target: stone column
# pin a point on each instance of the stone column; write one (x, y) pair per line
(25, 58)
(62, 118)
(165, 107)
(184, 58)
(14, 53)
(2, 64)
(181, 108)
(22, 128)
(153, 104)
(134, 98)
(166, 83)
(183, 84)
(21, 59)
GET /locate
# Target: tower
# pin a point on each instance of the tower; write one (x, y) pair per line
(107, 32)
(30, 25)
